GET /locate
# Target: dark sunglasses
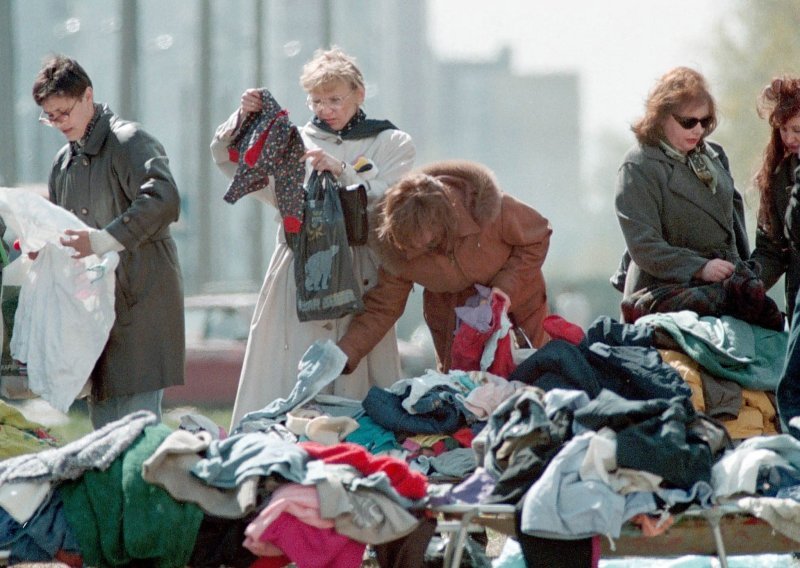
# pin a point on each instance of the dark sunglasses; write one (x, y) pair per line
(689, 122)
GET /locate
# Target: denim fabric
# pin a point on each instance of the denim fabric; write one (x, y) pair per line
(558, 364)
(611, 332)
(637, 373)
(41, 537)
(387, 410)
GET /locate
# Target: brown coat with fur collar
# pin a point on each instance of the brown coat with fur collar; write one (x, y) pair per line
(501, 242)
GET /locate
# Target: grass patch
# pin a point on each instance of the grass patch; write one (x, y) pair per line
(75, 424)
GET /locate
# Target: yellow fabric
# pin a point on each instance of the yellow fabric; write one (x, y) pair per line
(16, 433)
(756, 417)
(688, 369)
(428, 440)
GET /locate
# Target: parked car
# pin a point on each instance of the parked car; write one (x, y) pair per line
(217, 326)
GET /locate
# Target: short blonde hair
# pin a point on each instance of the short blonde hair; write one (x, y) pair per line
(330, 66)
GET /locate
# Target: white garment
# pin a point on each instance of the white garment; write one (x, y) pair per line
(277, 339)
(66, 305)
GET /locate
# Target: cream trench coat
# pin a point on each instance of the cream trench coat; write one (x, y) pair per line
(277, 338)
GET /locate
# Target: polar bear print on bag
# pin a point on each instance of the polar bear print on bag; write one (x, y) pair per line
(318, 269)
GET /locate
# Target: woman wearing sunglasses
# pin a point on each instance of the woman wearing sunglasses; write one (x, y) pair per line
(779, 103)
(338, 138)
(676, 203)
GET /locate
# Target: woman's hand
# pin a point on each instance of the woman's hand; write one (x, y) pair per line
(251, 101)
(715, 270)
(322, 161)
(79, 240)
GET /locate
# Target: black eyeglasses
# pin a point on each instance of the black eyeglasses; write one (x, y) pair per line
(689, 122)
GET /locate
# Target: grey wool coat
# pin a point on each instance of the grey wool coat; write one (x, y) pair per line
(121, 182)
(672, 222)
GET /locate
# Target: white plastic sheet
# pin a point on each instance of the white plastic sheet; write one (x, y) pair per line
(66, 305)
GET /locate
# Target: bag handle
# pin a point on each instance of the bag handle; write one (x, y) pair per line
(318, 181)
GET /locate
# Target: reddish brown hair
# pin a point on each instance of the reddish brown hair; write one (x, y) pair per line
(676, 89)
(779, 102)
(417, 202)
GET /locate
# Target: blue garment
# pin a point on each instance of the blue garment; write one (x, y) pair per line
(562, 505)
(230, 461)
(372, 436)
(321, 364)
(387, 410)
(41, 537)
(747, 354)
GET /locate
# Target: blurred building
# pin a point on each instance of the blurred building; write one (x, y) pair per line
(185, 67)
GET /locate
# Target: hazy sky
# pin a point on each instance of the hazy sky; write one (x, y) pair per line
(618, 47)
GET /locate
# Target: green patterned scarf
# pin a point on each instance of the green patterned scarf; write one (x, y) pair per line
(700, 160)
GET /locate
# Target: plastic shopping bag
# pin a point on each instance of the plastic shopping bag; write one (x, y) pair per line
(66, 305)
(323, 264)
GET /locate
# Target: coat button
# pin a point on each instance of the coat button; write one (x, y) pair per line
(85, 162)
(126, 218)
(84, 211)
(366, 281)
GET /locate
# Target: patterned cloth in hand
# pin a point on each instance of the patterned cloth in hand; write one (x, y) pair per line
(269, 144)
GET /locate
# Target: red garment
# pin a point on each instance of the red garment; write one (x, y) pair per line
(469, 345)
(408, 483)
(559, 328)
(271, 562)
(310, 547)
(464, 437)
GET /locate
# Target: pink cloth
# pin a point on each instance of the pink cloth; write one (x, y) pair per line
(300, 501)
(311, 547)
(470, 342)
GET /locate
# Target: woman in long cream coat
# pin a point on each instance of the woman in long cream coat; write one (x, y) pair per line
(341, 140)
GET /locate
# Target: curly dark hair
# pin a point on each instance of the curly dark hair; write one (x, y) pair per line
(779, 102)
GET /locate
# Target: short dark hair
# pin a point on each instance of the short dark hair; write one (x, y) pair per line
(60, 76)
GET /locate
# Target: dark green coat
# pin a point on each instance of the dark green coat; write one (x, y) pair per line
(773, 251)
(121, 182)
(672, 222)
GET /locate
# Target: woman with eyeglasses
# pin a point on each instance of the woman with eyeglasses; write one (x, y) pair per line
(680, 214)
(338, 138)
(779, 104)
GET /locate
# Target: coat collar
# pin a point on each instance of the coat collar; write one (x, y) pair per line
(97, 136)
(683, 182)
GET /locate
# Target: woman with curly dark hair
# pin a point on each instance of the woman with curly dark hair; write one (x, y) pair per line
(779, 104)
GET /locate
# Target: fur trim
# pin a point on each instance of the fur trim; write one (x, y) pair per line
(474, 183)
